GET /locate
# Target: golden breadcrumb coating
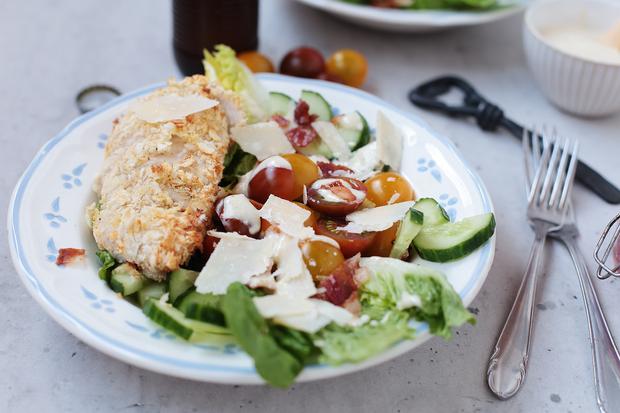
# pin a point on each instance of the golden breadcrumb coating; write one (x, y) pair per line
(159, 182)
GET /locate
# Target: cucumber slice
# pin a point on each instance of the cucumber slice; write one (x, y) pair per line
(451, 241)
(126, 279)
(180, 281)
(408, 229)
(318, 105)
(173, 320)
(201, 307)
(316, 147)
(152, 290)
(434, 214)
(353, 128)
(281, 104)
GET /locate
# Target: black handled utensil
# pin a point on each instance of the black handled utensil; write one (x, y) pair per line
(490, 117)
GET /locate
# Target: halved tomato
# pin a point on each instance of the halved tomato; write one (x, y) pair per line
(336, 196)
(350, 243)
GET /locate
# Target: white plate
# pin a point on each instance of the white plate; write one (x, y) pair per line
(411, 21)
(47, 213)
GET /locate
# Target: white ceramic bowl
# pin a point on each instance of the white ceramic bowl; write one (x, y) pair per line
(574, 84)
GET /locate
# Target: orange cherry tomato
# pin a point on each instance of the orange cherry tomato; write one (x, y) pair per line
(305, 171)
(383, 242)
(349, 65)
(256, 62)
(321, 258)
(387, 188)
(314, 216)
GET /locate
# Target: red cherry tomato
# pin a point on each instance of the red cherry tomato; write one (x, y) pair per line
(349, 65)
(208, 244)
(332, 169)
(274, 180)
(336, 196)
(232, 224)
(383, 242)
(350, 243)
(303, 62)
(256, 62)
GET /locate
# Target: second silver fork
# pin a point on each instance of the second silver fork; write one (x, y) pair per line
(548, 198)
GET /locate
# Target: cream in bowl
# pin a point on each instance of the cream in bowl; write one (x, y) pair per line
(573, 50)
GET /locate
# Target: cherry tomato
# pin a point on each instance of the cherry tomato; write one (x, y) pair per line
(330, 77)
(332, 169)
(321, 258)
(256, 62)
(208, 244)
(234, 224)
(383, 242)
(336, 196)
(314, 216)
(305, 171)
(387, 188)
(349, 65)
(274, 180)
(303, 62)
(350, 243)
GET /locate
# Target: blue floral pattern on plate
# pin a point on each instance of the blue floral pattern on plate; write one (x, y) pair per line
(96, 302)
(54, 218)
(73, 179)
(429, 165)
(448, 202)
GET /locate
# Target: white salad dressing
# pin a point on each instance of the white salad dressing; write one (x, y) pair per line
(239, 207)
(586, 43)
(329, 196)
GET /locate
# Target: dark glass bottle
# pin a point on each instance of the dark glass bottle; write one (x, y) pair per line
(201, 24)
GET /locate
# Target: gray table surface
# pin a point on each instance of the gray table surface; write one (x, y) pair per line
(50, 50)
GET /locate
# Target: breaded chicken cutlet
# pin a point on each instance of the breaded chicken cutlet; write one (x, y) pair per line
(159, 182)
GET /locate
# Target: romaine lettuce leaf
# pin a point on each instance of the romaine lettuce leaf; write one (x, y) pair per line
(353, 344)
(224, 68)
(423, 292)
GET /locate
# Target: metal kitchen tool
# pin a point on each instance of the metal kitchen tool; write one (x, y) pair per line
(604, 248)
(490, 117)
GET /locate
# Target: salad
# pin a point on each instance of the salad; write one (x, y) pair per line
(308, 256)
(429, 4)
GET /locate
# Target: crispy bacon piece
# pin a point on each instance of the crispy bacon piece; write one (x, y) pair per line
(301, 135)
(281, 121)
(340, 284)
(69, 255)
(302, 114)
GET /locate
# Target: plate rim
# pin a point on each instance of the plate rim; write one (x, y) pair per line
(414, 18)
(206, 372)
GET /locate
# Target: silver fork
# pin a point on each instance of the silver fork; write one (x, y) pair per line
(547, 205)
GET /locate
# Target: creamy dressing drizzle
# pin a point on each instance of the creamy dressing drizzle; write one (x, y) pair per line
(329, 196)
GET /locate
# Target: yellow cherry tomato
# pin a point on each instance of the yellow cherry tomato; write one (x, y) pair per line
(387, 188)
(256, 62)
(348, 65)
(321, 258)
(383, 242)
(305, 171)
(314, 216)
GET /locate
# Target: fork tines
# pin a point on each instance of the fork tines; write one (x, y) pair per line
(550, 164)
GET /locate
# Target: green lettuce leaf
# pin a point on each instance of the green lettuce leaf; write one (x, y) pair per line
(108, 263)
(224, 68)
(423, 292)
(236, 163)
(274, 363)
(353, 344)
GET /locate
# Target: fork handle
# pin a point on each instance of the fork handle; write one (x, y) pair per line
(605, 356)
(508, 362)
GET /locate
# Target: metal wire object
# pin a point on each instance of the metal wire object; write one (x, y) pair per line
(604, 247)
